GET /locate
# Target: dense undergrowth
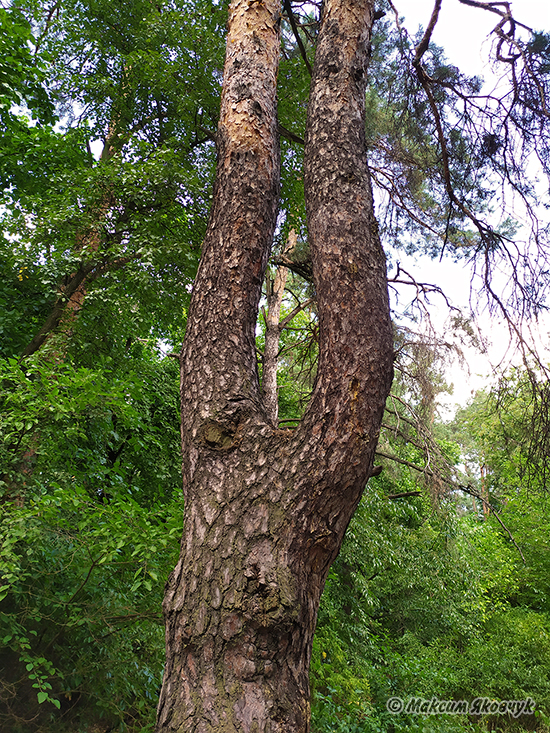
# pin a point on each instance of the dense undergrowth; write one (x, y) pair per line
(424, 601)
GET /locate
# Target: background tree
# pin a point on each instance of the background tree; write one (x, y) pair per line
(116, 80)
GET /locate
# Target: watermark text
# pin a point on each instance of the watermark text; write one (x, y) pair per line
(478, 706)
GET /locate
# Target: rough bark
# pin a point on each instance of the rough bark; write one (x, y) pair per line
(266, 509)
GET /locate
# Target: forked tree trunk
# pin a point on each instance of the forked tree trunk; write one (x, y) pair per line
(266, 510)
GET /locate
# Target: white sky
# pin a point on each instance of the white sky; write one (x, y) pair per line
(463, 32)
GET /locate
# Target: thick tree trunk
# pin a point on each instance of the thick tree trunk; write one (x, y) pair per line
(266, 510)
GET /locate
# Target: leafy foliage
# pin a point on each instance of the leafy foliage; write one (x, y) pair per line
(433, 603)
(91, 520)
(80, 620)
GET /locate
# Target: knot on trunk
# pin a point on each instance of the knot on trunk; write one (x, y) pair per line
(218, 434)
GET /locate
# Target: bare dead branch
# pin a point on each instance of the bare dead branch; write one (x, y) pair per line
(289, 135)
(290, 14)
(294, 312)
(469, 490)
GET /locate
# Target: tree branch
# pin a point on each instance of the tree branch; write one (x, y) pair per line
(289, 135)
(426, 38)
(486, 503)
(404, 495)
(288, 9)
(466, 489)
(293, 313)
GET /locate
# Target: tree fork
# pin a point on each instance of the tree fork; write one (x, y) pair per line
(266, 509)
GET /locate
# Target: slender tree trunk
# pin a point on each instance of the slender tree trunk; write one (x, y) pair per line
(64, 311)
(266, 510)
(270, 360)
(72, 293)
(273, 327)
